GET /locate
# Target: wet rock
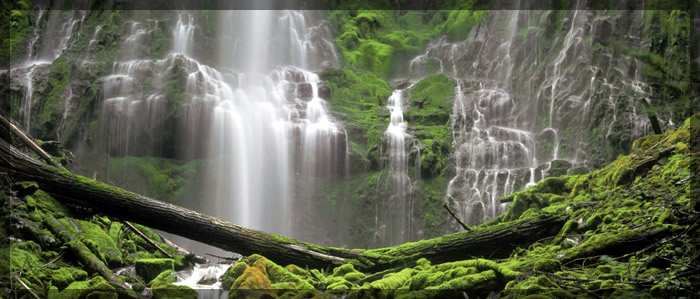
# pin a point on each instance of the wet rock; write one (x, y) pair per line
(208, 279)
(559, 167)
(252, 283)
(294, 75)
(324, 91)
(305, 91)
(580, 170)
(151, 268)
(545, 144)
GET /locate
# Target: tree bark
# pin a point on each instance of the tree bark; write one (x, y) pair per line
(490, 241)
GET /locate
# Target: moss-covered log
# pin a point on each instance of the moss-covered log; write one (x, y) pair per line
(85, 256)
(74, 189)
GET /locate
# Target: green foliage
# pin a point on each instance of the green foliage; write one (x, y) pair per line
(160, 44)
(160, 178)
(359, 98)
(50, 106)
(16, 30)
(380, 41)
(430, 109)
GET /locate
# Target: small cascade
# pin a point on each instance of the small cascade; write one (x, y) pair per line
(36, 35)
(394, 215)
(140, 96)
(205, 279)
(42, 50)
(518, 103)
(61, 30)
(183, 34)
(488, 154)
(25, 111)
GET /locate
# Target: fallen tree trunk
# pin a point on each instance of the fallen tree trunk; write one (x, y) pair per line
(490, 241)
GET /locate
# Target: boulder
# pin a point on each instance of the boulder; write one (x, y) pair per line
(149, 269)
(253, 283)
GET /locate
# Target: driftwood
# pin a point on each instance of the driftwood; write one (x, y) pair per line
(491, 241)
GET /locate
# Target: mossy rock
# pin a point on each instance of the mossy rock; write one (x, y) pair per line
(343, 269)
(167, 276)
(547, 265)
(97, 287)
(64, 276)
(353, 276)
(431, 101)
(253, 283)
(163, 290)
(232, 273)
(149, 269)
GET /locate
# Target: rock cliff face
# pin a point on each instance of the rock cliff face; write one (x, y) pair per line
(175, 105)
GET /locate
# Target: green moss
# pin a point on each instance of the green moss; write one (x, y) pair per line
(253, 282)
(382, 40)
(431, 101)
(96, 239)
(359, 99)
(343, 269)
(164, 290)
(151, 268)
(547, 265)
(17, 30)
(50, 106)
(159, 178)
(393, 280)
(97, 287)
(232, 274)
(63, 277)
(167, 276)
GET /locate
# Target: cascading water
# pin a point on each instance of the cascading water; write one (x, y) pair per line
(502, 141)
(183, 34)
(393, 218)
(273, 115)
(43, 48)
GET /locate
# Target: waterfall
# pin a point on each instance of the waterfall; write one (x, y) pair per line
(394, 214)
(273, 115)
(516, 108)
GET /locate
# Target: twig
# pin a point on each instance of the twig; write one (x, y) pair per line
(26, 287)
(53, 260)
(138, 232)
(222, 257)
(29, 142)
(444, 205)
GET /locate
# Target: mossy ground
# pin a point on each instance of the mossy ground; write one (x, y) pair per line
(597, 252)
(41, 261)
